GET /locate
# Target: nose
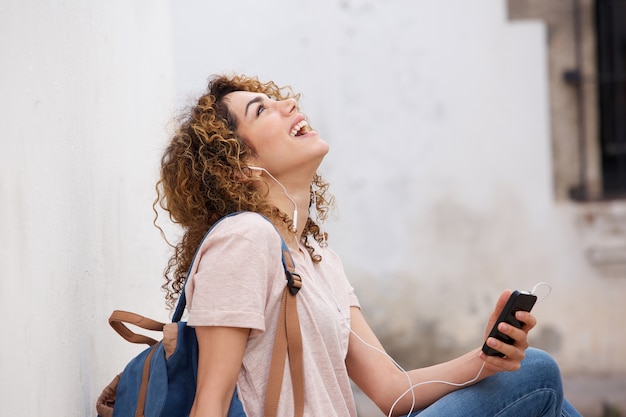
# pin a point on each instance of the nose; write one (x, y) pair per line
(289, 106)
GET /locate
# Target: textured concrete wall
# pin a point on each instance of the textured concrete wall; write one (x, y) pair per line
(437, 114)
(437, 117)
(85, 91)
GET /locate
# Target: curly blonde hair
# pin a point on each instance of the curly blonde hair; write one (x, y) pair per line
(201, 176)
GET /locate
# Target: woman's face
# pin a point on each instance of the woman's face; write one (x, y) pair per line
(277, 132)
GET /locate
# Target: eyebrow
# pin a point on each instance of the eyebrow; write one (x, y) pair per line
(257, 99)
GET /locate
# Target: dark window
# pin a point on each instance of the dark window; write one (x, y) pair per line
(611, 28)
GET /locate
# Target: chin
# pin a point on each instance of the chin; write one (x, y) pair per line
(325, 147)
(321, 155)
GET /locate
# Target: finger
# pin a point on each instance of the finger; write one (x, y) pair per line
(501, 364)
(502, 300)
(493, 317)
(511, 353)
(529, 320)
(504, 297)
(518, 335)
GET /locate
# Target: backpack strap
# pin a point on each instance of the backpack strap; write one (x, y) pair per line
(288, 340)
(119, 317)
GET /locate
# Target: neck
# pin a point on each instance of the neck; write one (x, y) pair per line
(291, 198)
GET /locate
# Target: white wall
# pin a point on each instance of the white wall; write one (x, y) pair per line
(438, 120)
(437, 117)
(85, 93)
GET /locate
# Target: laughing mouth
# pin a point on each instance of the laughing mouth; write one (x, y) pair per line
(300, 129)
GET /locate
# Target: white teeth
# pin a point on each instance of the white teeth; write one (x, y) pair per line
(297, 127)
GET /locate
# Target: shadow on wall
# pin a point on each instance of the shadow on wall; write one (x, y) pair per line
(417, 330)
(410, 335)
(416, 337)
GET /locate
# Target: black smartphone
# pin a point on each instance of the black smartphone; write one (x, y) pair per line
(518, 300)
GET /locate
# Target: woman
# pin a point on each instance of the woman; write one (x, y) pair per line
(246, 147)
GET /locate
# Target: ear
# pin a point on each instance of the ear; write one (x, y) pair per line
(252, 167)
(253, 171)
(249, 171)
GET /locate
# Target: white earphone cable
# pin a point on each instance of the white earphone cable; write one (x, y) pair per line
(413, 386)
(295, 206)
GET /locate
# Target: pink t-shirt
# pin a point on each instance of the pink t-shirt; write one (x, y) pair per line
(237, 280)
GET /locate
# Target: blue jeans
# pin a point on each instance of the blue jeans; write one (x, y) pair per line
(536, 390)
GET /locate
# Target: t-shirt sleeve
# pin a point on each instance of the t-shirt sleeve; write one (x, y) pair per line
(236, 266)
(353, 299)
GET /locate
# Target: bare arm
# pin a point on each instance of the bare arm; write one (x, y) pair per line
(220, 354)
(384, 383)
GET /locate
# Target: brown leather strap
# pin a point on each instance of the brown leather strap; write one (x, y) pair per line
(106, 400)
(143, 388)
(294, 349)
(277, 365)
(288, 341)
(119, 317)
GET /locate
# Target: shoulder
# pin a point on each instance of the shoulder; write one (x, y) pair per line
(244, 236)
(247, 225)
(245, 233)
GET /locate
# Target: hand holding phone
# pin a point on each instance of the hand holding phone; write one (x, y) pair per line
(518, 300)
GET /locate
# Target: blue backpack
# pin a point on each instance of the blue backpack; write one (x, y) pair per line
(161, 380)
